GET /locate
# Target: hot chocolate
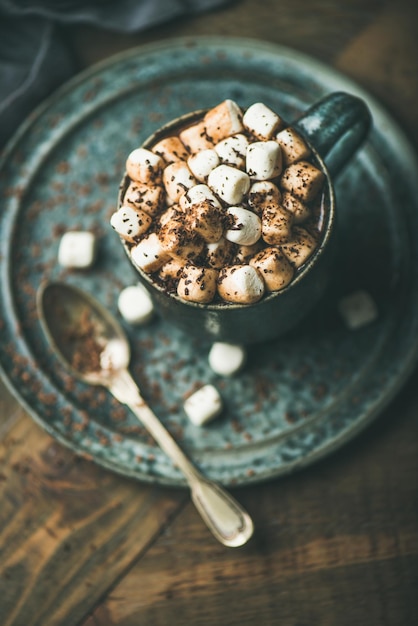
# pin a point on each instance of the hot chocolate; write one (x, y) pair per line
(225, 210)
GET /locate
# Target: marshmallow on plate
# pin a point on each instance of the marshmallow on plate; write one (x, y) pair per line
(294, 148)
(275, 268)
(246, 228)
(197, 284)
(233, 150)
(226, 358)
(202, 163)
(171, 149)
(358, 309)
(223, 120)
(303, 180)
(203, 405)
(240, 284)
(264, 160)
(229, 183)
(135, 305)
(149, 254)
(77, 249)
(261, 121)
(149, 198)
(144, 166)
(177, 179)
(130, 223)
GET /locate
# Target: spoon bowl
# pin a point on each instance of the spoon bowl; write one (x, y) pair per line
(92, 345)
(87, 339)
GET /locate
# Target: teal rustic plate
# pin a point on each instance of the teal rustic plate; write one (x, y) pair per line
(299, 397)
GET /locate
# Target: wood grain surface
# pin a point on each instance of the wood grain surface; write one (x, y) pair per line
(335, 545)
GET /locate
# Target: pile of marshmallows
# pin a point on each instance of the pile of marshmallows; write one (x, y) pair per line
(216, 210)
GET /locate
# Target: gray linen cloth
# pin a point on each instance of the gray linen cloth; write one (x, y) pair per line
(34, 55)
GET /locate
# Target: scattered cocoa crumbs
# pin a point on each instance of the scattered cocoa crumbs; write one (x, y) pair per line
(320, 391)
(236, 425)
(63, 167)
(290, 417)
(86, 350)
(118, 415)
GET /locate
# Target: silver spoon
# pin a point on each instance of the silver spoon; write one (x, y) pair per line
(92, 345)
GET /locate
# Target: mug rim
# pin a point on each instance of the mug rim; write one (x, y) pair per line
(301, 273)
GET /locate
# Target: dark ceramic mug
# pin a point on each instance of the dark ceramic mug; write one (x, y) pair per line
(334, 129)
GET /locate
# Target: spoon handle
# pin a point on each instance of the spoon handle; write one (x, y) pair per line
(223, 515)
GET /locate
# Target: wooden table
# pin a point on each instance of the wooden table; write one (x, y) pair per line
(336, 544)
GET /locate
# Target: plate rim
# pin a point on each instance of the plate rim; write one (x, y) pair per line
(335, 76)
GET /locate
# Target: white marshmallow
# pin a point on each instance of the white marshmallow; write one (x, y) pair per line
(300, 210)
(262, 193)
(202, 163)
(264, 160)
(135, 305)
(358, 309)
(205, 220)
(243, 254)
(294, 148)
(218, 253)
(276, 223)
(203, 405)
(233, 150)
(198, 194)
(149, 198)
(247, 226)
(241, 284)
(172, 270)
(172, 213)
(144, 166)
(178, 240)
(229, 183)
(261, 121)
(226, 358)
(195, 138)
(149, 255)
(130, 223)
(303, 180)
(177, 179)
(115, 355)
(300, 247)
(197, 284)
(171, 149)
(275, 268)
(77, 249)
(223, 120)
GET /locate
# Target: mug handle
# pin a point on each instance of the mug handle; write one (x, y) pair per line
(336, 127)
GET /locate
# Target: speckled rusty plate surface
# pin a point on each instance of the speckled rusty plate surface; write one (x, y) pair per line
(299, 397)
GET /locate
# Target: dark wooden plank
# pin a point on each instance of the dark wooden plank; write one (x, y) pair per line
(68, 529)
(320, 28)
(385, 60)
(334, 544)
(9, 408)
